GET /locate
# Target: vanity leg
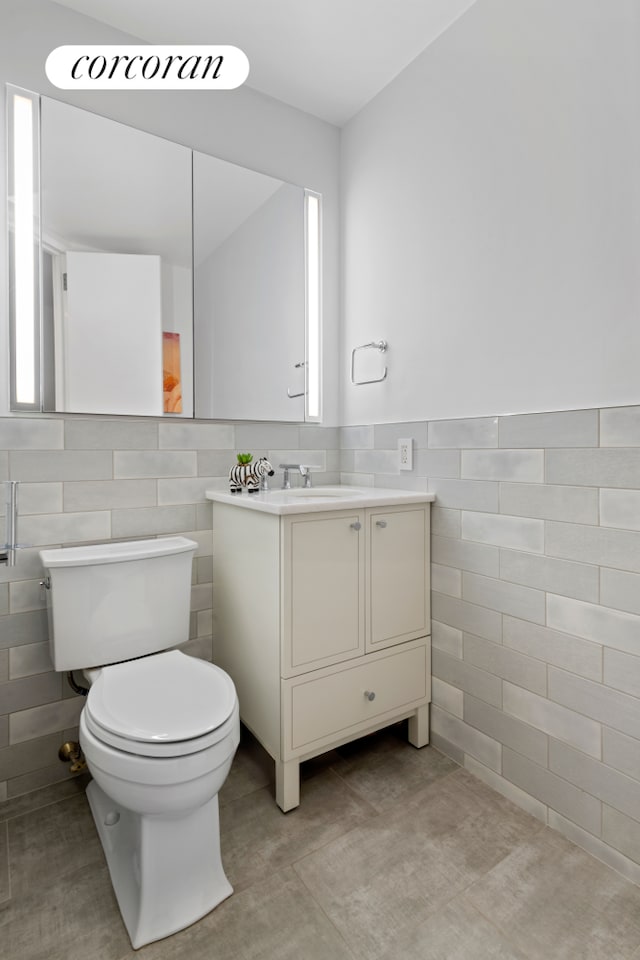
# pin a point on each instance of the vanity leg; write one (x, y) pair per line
(419, 727)
(287, 784)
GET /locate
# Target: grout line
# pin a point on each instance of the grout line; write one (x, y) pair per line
(39, 807)
(7, 863)
(320, 907)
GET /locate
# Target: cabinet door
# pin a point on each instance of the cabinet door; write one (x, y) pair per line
(398, 576)
(323, 590)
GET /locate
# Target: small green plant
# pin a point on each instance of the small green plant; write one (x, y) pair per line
(245, 457)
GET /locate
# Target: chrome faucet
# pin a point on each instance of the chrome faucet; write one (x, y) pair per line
(286, 482)
(305, 472)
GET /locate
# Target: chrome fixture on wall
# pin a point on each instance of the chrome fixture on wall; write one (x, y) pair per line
(380, 345)
(8, 551)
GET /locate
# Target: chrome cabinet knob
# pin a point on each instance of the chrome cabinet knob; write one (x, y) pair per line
(369, 695)
(381, 523)
(356, 526)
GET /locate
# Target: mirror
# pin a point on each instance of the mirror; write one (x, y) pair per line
(249, 293)
(172, 283)
(116, 266)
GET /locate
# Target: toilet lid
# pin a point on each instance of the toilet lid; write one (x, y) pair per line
(166, 698)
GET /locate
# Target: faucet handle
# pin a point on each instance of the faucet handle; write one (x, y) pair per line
(305, 470)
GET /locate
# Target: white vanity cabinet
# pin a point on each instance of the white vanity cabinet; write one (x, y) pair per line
(322, 619)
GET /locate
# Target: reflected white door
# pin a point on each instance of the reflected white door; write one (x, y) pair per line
(108, 333)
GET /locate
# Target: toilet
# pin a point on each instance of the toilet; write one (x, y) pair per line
(159, 729)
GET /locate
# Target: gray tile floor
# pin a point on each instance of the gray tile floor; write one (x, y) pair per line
(394, 854)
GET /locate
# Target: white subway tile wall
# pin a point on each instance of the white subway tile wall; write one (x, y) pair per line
(94, 479)
(536, 607)
(536, 585)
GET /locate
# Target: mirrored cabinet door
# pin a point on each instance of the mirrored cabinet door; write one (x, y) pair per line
(116, 251)
(249, 293)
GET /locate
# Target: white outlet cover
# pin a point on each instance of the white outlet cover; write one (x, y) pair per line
(405, 454)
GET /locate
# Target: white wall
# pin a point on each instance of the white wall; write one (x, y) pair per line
(242, 126)
(490, 205)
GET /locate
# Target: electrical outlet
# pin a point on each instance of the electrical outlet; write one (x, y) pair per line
(405, 454)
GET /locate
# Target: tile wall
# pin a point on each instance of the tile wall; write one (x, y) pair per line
(99, 479)
(535, 606)
(536, 585)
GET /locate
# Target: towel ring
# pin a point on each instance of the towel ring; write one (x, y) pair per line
(380, 345)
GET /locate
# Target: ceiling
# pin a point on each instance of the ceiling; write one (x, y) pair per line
(327, 58)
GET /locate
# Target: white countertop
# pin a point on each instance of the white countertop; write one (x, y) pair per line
(316, 499)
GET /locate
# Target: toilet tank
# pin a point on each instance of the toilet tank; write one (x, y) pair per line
(115, 601)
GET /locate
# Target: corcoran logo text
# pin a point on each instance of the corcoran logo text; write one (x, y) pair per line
(164, 67)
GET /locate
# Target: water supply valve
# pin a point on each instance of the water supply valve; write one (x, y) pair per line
(71, 752)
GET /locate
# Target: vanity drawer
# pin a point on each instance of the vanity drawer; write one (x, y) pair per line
(331, 704)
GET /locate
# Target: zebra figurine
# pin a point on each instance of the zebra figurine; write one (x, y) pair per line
(249, 475)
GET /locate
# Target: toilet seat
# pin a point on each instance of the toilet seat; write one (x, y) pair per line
(165, 705)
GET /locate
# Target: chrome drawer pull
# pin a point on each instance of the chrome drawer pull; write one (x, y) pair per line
(369, 695)
(381, 523)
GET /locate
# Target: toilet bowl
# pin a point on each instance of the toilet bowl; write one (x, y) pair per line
(157, 766)
(159, 731)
